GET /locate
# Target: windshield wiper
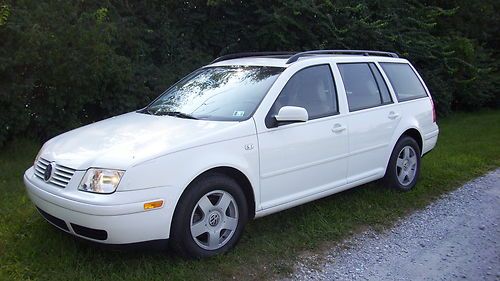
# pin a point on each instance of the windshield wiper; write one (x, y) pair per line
(144, 111)
(178, 114)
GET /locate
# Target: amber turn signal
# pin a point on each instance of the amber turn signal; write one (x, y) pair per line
(153, 205)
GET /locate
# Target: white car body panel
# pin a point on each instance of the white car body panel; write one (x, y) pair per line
(126, 140)
(291, 154)
(286, 166)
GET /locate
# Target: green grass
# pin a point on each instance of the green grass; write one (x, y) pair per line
(31, 249)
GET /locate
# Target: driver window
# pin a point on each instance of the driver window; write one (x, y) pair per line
(311, 88)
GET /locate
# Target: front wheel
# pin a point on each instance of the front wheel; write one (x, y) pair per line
(403, 169)
(209, 218)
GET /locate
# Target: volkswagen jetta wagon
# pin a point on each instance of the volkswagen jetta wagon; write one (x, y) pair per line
(246, 136)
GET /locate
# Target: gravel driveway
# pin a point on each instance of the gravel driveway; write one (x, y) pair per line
(455, 238)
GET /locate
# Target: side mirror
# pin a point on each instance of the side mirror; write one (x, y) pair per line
(292, 114)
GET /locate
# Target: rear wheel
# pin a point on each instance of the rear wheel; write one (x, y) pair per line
(404, 166)
(209, 218)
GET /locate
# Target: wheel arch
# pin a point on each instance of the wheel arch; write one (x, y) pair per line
(411, 132)
(415, 134)
(390, 172)
(242, 180)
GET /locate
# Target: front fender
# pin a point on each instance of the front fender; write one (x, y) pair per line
(179, 169)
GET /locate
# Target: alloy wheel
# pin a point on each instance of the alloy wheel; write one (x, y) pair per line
(214, 220)
(406, 165)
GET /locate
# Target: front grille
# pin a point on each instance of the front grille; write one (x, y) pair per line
(61, 175)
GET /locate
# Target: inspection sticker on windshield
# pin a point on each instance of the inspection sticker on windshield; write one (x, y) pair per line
(238, 113)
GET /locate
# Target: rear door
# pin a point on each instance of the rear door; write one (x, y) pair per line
(302, 159)
(372, 119)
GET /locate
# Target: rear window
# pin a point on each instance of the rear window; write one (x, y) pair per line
(404, 81)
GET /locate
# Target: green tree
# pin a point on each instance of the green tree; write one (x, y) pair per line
(68, 63)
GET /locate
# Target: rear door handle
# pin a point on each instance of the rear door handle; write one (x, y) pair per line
(338, 128)
(393, 115)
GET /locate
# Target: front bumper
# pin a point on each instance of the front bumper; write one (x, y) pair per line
(122, 222)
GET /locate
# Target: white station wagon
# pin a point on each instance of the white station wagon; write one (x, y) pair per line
(246, 136)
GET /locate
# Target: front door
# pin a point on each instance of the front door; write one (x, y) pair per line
(302, 159)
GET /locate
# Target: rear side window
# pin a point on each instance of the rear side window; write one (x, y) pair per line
(364, 86)
(404, 81)
(384, 91)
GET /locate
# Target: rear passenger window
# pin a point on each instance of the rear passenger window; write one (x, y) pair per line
(404, 81)
(363, 88)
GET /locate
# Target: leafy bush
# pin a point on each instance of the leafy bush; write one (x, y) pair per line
(68, 63)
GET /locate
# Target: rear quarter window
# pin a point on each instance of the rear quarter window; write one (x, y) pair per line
(404, 81)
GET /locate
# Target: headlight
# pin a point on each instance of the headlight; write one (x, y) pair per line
(101, 180)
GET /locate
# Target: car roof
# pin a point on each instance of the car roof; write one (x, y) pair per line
(282, 62)
(285, 59)
(255, 61)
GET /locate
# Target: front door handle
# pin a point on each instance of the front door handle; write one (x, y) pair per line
(338, 128)
(393, 115)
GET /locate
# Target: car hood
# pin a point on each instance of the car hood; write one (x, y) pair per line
(126, 140)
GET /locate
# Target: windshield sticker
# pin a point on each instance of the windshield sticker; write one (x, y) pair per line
(238, 113)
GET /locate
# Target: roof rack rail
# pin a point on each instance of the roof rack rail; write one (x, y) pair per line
(254, 54)
(295, 57)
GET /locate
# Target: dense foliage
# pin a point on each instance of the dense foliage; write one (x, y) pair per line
(67, 63)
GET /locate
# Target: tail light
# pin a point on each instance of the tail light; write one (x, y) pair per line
(434, 118)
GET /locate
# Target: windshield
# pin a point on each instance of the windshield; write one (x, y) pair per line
(217, 93)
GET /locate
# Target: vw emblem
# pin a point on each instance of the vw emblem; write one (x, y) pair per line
(48, 171)
(213, 219)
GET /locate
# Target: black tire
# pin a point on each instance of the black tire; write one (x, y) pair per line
(181, 239)
(391, 175)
